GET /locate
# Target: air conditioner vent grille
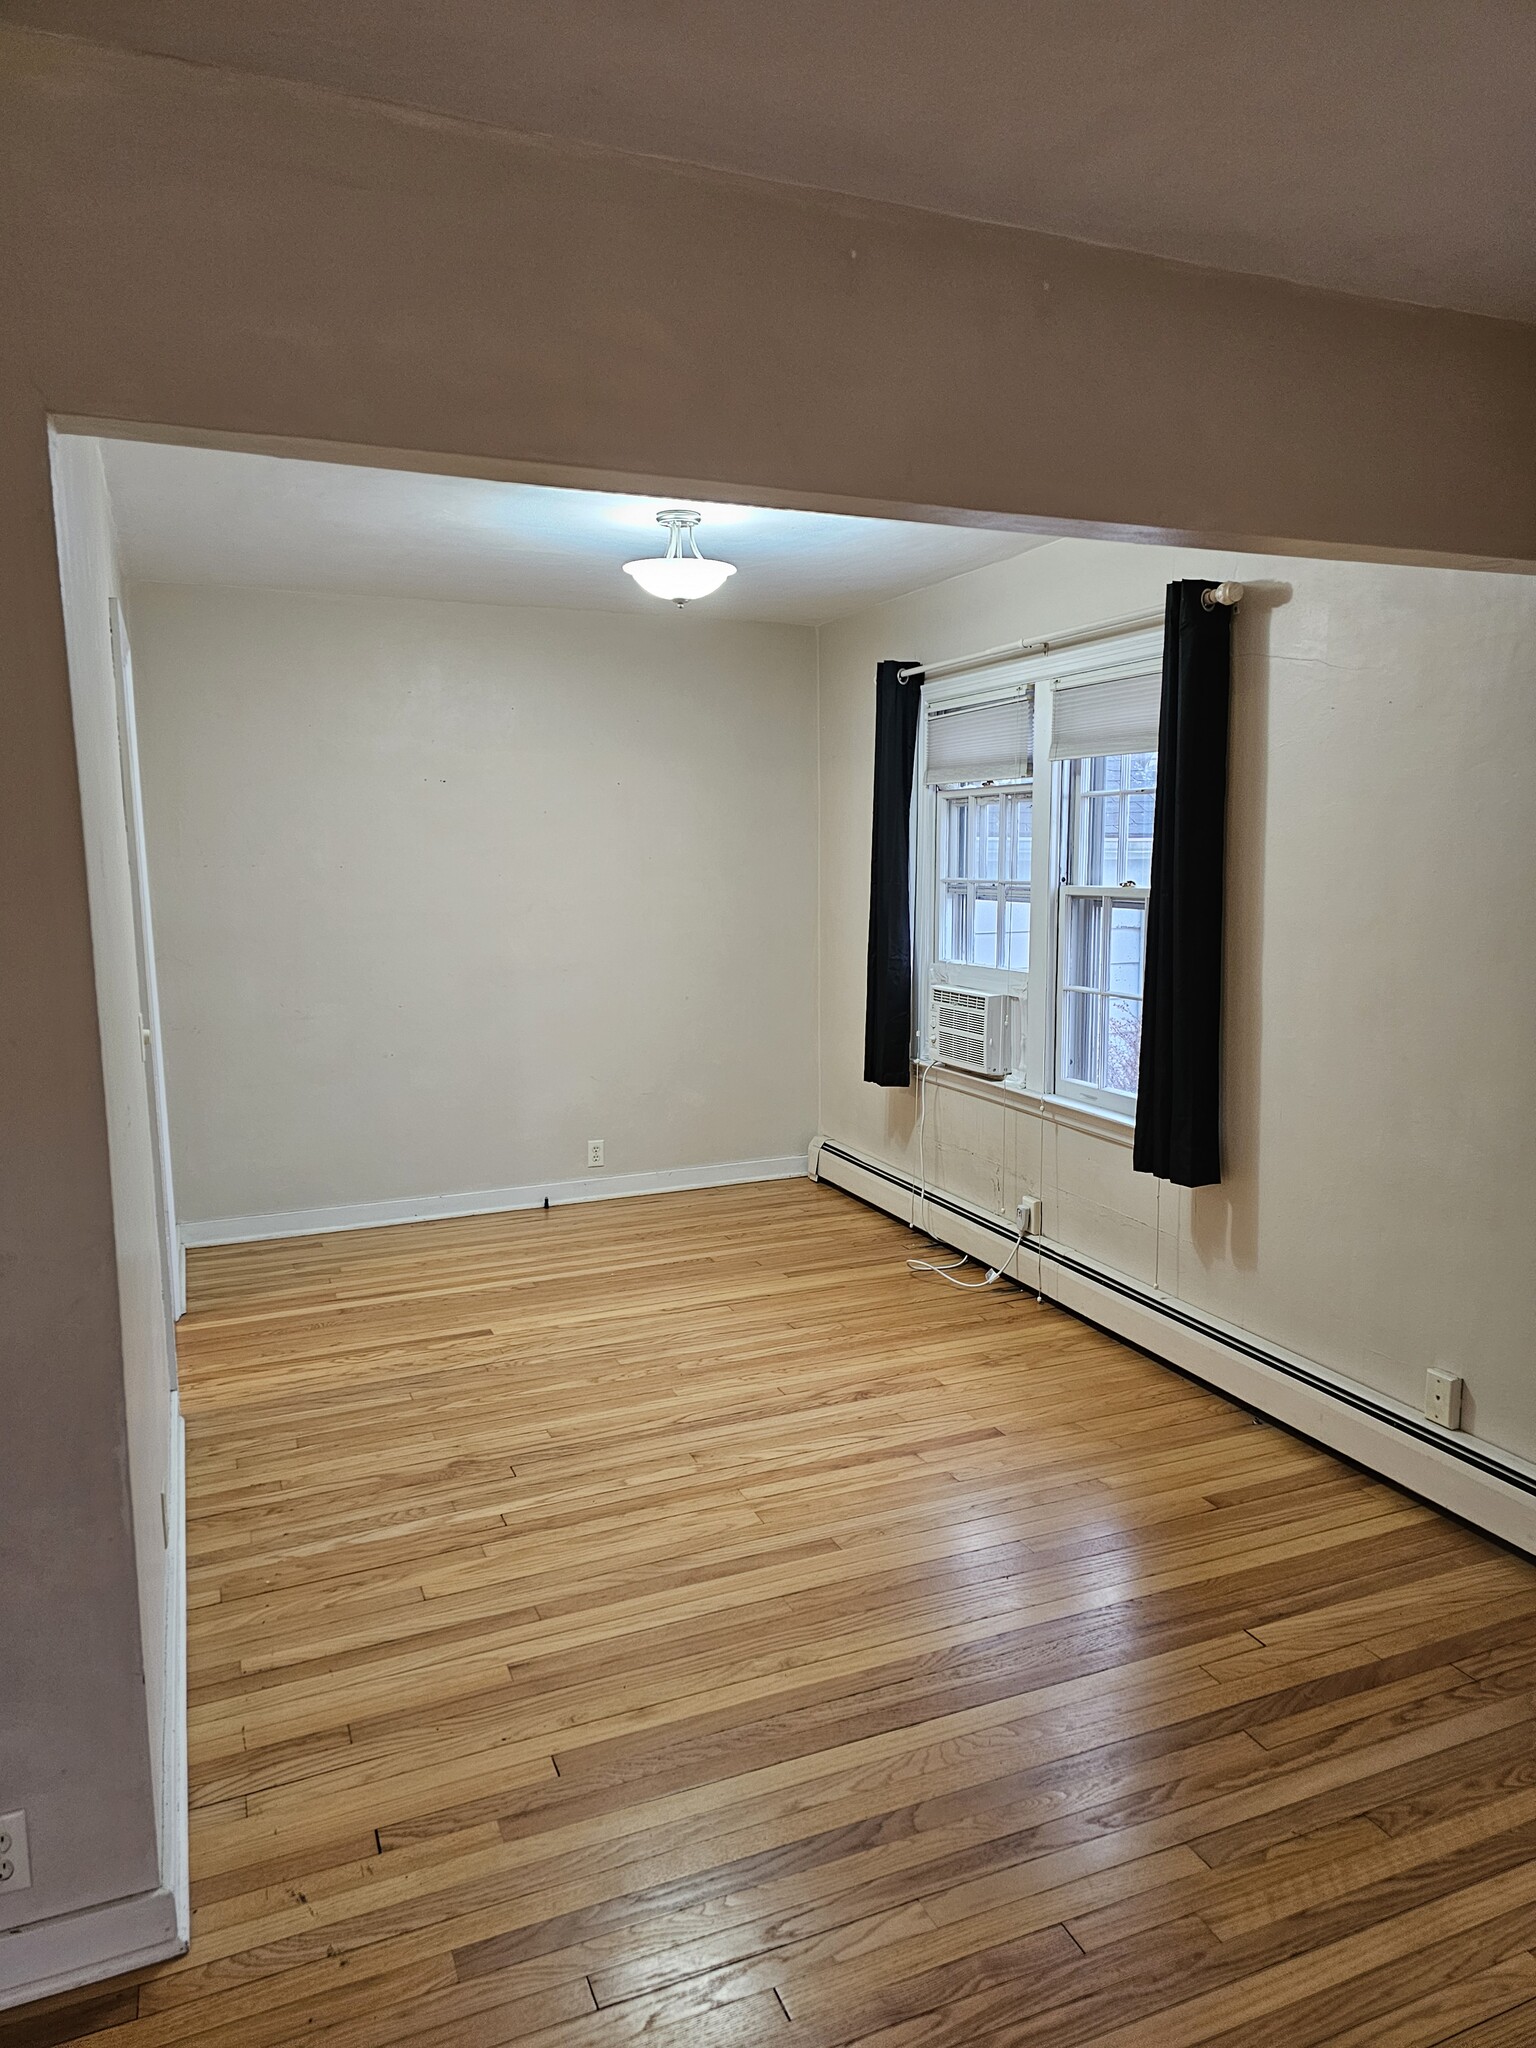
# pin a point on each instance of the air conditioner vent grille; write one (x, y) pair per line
(968, 1049)
(969, 1028)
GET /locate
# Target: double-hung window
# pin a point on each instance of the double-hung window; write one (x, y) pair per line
(986, 843)
(979, 833)
(1034, 877)
(1108, 801)
(1104, 745)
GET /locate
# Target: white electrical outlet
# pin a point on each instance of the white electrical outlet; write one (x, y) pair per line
(1442, 1399)
(594, 1151)
(1029, 1216)
(15, 1864)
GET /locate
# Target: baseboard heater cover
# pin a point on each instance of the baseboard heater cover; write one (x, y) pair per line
(1487, 1487)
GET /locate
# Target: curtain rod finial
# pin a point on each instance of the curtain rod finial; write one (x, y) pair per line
(1224, 593)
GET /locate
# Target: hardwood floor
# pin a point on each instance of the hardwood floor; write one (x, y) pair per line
(670, 1620)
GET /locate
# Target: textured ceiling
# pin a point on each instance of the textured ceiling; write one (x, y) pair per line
(198, 515)
(1374, 146)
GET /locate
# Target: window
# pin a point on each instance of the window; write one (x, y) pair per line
(1034, 881)
(1108, 801)
(976, 839)
(986, 842)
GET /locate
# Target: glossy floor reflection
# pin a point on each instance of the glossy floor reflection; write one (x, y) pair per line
(671, 1619)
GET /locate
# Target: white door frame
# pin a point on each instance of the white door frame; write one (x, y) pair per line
(172, 1253)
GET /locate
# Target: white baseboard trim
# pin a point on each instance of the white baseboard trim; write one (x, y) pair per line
(595, 1187)
(77, 1949)
(1484, 1485)
(174, 1819)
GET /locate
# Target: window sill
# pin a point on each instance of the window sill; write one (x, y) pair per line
(1056, 1109)
(1084, 1116)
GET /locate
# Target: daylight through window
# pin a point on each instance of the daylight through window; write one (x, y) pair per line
(985, 850)
(1109, 802)
(1034, 876)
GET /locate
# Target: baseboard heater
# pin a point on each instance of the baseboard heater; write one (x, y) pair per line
(1484, 1486)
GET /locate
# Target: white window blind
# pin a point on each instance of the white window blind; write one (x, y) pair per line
(989, 742)
(1106, 717)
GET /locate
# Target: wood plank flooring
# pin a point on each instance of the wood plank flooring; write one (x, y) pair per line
(672, 1621)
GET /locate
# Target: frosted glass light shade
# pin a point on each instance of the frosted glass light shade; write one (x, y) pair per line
(682, 572)
(679, 577)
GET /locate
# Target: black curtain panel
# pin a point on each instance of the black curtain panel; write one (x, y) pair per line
(888, 998)
(1178, 1104)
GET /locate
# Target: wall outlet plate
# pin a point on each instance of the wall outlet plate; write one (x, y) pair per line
(1029, 1215)
(594, 1151)
(1442, 1399)
(15, 1863)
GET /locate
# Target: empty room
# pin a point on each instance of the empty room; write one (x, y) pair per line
(768, 793)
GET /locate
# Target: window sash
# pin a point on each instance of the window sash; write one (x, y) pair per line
(960, 892)
(1086, 804)
(1105, 863)
(1096, 999)
(958, 927)
(966, 804)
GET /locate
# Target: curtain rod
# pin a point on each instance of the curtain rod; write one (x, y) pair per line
(1224, 593)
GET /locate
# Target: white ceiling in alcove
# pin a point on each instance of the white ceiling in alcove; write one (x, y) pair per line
(214, 516)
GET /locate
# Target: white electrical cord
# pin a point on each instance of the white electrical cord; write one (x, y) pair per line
(920, 1193)
(945, 1272)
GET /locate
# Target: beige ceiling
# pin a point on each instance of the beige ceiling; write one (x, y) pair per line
(1375, 146)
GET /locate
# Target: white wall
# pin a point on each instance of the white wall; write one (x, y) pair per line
(443, 890)
(1379, 1204)
(91, 1778)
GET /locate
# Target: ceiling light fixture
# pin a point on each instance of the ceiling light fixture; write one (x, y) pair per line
(682, 572)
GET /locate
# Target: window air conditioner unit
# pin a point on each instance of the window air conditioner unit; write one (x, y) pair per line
(969, 1027)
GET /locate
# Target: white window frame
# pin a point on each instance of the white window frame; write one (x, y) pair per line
(1073, 803)
(1115, 657)
(1003, 887)
(927, 888)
